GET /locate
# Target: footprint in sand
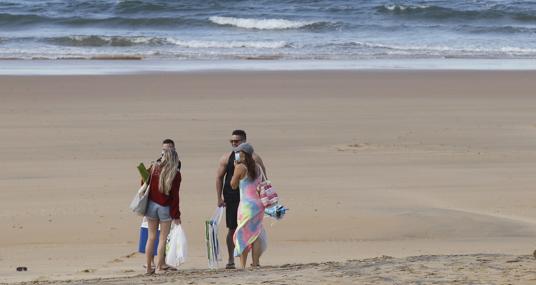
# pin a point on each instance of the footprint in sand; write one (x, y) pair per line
(40, 279)
(130, 255)
(353, 147)
(117, 260)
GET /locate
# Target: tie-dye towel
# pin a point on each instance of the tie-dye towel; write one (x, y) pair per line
(250, 216)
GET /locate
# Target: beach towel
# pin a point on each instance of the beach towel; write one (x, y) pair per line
(277, 211)
(250, 216)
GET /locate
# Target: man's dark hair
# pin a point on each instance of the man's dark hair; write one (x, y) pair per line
(169, 141)
(240, 133)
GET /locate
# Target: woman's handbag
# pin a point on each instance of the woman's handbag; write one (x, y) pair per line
(267, 193)
(141, 199)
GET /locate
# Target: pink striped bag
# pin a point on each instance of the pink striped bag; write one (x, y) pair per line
(267, 193)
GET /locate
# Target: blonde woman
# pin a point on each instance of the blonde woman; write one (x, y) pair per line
(163, 207)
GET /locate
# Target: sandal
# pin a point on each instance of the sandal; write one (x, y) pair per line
(230, 266)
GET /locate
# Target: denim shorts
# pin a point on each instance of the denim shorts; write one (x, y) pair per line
(156, 211)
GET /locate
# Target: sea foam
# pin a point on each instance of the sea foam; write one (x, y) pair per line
(228, 44)
(260, 24)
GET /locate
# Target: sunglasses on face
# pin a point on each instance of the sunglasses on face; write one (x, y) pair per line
(235, 141)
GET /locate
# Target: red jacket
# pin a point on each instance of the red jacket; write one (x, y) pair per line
(160, 198)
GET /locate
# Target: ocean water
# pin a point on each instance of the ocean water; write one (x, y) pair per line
(267, 30)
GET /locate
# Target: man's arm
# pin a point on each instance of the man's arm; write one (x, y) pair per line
(258, 160)
(222, 165)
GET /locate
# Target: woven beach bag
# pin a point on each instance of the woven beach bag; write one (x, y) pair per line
(267, 193)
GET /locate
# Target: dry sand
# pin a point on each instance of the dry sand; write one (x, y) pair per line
(395, 163)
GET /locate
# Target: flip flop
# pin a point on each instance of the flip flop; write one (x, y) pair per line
(149, 273)
(230, 266)
(167, 268)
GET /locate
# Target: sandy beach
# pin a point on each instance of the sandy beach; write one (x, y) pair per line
(400, 174)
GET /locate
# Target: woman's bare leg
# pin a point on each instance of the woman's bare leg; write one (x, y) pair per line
(164, 232)
(149, 247)
(256, 252)
(244, 258)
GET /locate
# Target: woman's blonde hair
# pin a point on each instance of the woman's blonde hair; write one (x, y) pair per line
(168, 170)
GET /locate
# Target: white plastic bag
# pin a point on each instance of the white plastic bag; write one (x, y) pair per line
(211, 237)
(176, 246)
